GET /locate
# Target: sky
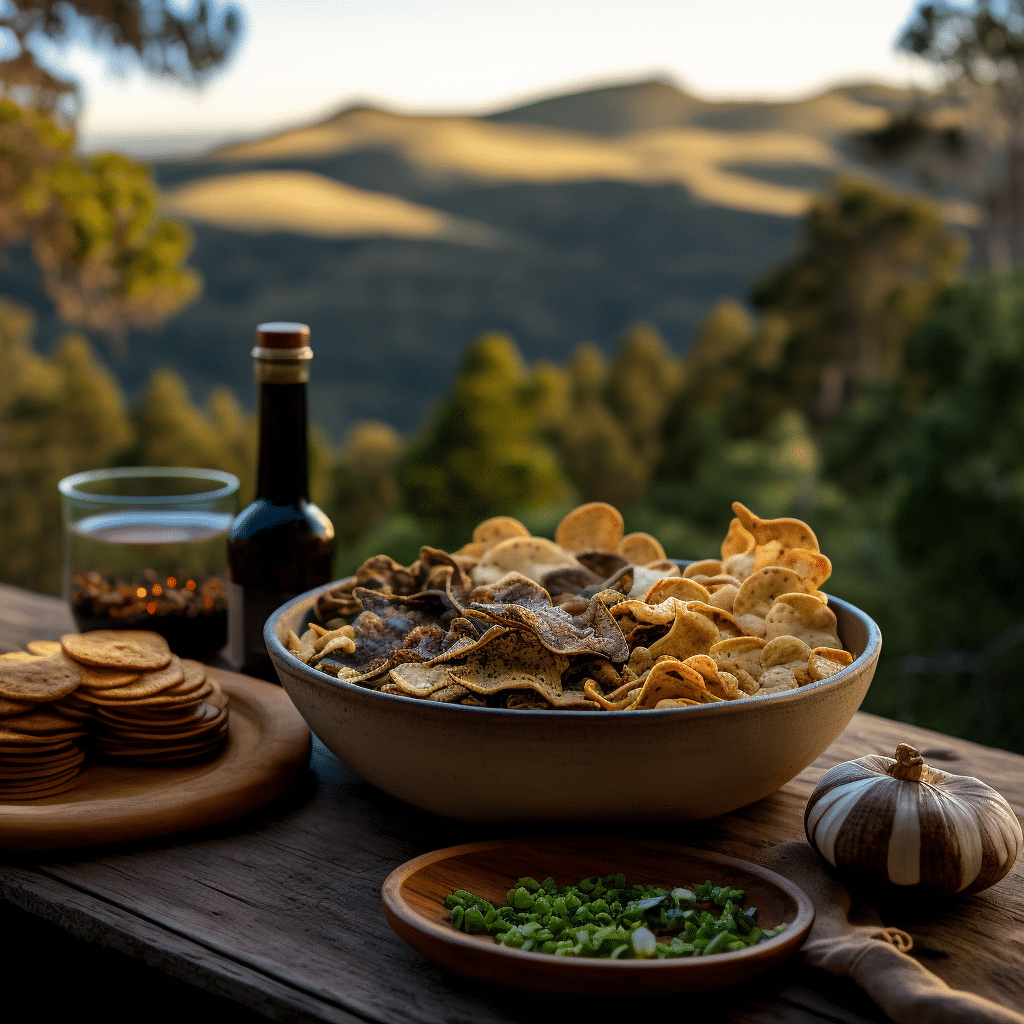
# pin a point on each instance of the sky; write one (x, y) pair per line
(300, 60)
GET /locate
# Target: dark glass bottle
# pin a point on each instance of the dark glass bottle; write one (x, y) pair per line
(282, 544)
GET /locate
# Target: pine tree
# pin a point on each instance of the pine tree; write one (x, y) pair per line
(596, 449)
(482, 453)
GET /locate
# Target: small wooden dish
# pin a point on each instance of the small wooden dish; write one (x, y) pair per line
(413, 897)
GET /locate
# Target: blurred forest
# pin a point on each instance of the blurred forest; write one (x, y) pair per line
(901, 445)
(870, 385)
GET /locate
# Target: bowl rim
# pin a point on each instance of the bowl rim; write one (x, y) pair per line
(278, 652)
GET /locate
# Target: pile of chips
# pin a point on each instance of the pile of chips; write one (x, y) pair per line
(591, 621)
(119, 693)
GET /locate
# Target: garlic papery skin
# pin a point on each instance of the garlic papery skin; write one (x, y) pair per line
(912, 825)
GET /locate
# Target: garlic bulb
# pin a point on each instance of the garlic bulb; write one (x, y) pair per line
(913, 825)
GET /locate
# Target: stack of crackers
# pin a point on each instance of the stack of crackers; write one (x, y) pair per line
(41, 750)
(121, 691)
(150, 705)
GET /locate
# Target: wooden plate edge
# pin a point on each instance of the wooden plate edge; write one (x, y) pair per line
(463, 954)
(285, 746)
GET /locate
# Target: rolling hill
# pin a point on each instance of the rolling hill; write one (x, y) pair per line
(399, 237)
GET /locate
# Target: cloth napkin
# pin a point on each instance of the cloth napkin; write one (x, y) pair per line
(873, 955)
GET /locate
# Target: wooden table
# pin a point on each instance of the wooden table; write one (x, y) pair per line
(278, 914)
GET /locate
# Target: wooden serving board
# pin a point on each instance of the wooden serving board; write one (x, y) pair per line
(268, 743)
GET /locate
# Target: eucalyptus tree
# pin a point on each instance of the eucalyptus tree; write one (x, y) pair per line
(107, 260)
(978, 48)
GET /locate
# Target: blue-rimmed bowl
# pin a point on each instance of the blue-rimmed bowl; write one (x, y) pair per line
(495, 765)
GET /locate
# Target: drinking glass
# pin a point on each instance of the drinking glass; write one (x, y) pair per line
(146, 548)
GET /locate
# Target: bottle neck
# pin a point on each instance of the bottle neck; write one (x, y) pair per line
(283, 477)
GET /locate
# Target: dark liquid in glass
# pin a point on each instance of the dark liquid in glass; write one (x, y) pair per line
(152, 570)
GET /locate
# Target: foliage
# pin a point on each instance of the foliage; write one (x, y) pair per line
(165, 38)
(595, 450)
(979, 48)
(57, 416)
(482, 452)
(868, 267)
(964, 472)
(109, 263)
(934, 460)
(169, 430)
(643, 380)
(725, 381)
(777, 475)
(364, 489)
(913, 481)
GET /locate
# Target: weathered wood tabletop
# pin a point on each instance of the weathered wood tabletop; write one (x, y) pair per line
(280, 912)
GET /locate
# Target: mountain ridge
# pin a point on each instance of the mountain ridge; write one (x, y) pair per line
(398, 237)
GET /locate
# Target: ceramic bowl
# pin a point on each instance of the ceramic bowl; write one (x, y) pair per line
(496, 765)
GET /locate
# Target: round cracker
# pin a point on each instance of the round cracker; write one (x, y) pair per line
(170, 731)
(595, 526)
(107, 678)
(16, 754)
(210, 717)
(118, 648)
(159, 716)
(497, 528)
(782, 650)
(641, 548)
(192, 681)
(41, 721)
(759, 590)
(43, 768)
(218, 698)
(10, 738)
(164, 699)
(676, 586)
(707, 567)
(532, 557)
(813, 566)
(195, 672)
(43, 647)
(803, 616)
(20, 785)
(38, 773)
(827, 661)
(724, 597)
(202, 732)
(40, 794)
(40, 770)
(148, 684)
(15, 707)
(40, 680)
(182, 757)
(152, 751)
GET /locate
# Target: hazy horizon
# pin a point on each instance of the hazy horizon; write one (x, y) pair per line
(185, 144)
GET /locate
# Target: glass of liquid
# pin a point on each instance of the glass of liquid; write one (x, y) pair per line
(146, 548)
